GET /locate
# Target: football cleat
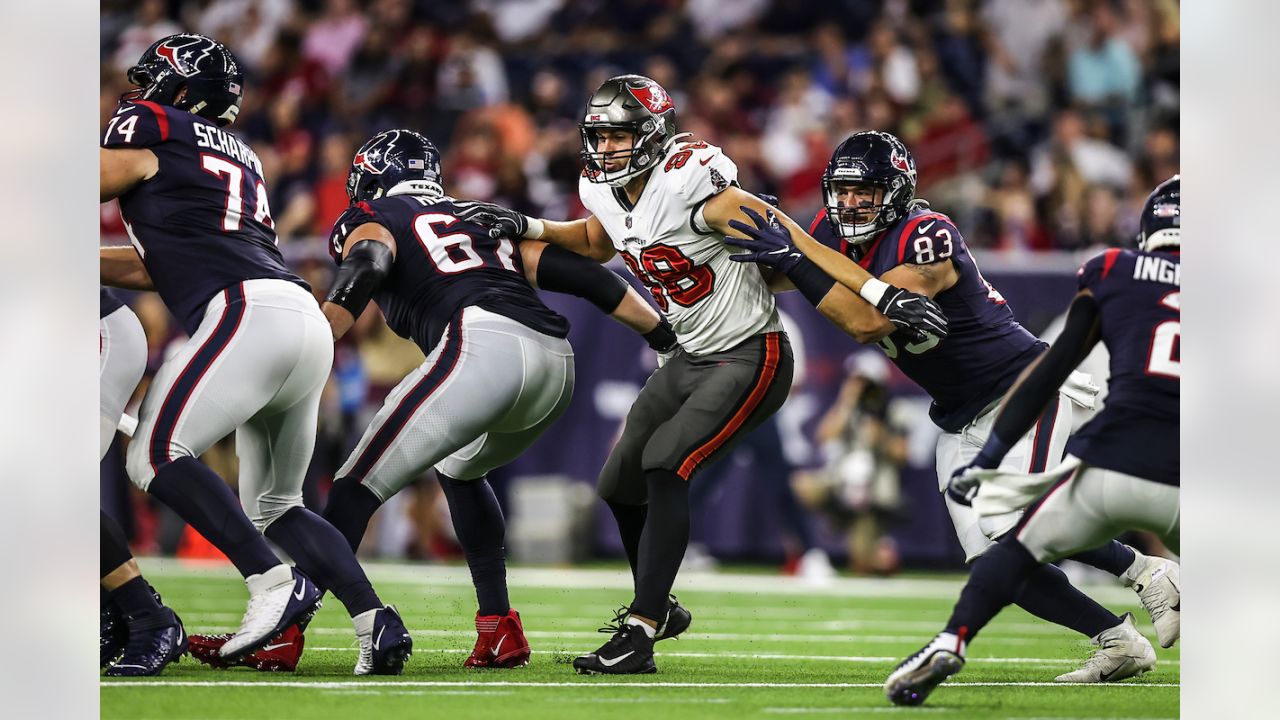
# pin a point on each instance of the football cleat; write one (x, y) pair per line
(914, 678)
(1122, 653)
(500, 642)
(676, 622)
(281, 654)
(155, 640)
(1157, 582)
(278, 598)
(386, 646)
(628, 652)
(113, 633)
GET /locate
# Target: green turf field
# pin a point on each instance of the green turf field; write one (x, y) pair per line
(760, 646)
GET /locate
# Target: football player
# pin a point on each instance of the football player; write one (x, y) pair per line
(137, 634)
(498, 369)
(195, 207)
(1121, 471)
(664, 201)
(873, 221)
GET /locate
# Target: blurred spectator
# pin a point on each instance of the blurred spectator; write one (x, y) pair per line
(1017, 36)
(1070, 152)
(1103, 69)
(150, 23)
(253, 23)
(329, 194)
(859, 486)
(335, 35)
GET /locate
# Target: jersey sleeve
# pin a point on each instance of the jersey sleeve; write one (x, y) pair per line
(1097, 268)
(350, 219)
(137, 125)
(928, 239)
(698, 171)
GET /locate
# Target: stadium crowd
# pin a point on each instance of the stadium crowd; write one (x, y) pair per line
(1036, 124)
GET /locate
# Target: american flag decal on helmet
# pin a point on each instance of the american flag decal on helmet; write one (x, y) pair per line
(416, 164)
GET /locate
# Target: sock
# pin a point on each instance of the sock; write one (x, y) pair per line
(648, 630)
(320, 551)
(481, 530)
(1048, 595)
(662, 544)
(350, 507)
(994, 581)
(206, 503)
(630, 525)
(1115, 557)
(135, 598)
(113, 549)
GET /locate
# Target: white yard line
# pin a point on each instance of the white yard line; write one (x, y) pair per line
(586, 683)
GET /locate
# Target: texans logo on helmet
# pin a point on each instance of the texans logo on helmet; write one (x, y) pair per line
(652, 97)
(185, 54)
(373, 159)
(899, 161)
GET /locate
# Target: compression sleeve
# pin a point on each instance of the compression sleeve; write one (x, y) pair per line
(562, 271)
(361, 272)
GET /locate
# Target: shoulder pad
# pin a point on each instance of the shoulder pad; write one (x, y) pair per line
(138, 124)
(699, 170)
(822, 231)
(927, 238)
(1097, 268)
(350, 219)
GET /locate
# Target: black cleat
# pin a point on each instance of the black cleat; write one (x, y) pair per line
(677, 621)
(155, 640)
(917, 676)
(628, 652)
(113, 633)
(387, 648)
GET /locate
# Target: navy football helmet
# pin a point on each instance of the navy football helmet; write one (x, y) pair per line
(395, 162)
(202, 66)
(1161, 224)
(875, 159)
(638, 105)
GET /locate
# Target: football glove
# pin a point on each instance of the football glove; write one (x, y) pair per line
(963, 485)
(769, 244)
(501, 221)
(913, 312)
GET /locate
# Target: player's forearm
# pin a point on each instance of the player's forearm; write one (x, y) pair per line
(846, 272)
(122, 267)
(573, 236)
(854, 315)
(635, 313)
(340, 319)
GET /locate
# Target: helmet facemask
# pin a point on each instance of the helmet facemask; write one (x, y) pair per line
(859, 222)
(647, 147)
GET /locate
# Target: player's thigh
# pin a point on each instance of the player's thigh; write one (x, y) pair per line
(545, 396)
(122, 359)
(730, 394)
(975, 533)
(1142, 505)
(1068, 518)
(454, 397)
(622, 477)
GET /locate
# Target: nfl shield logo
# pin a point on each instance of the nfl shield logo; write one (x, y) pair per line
(628, 222)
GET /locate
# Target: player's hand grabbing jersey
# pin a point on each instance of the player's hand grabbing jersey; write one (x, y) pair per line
(986, 348)
(1139, 309)
(202, 223)
(713, 303)
(442, 265)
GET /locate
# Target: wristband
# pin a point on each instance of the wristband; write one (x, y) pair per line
(873, 291)
(536, 228)
(810, 280)
(662, 338)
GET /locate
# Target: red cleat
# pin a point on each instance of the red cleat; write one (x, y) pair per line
(281, 654)
(501, 642)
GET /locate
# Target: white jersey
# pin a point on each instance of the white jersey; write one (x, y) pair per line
(712, 302)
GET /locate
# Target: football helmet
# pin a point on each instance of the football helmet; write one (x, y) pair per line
(395, 162)
(202, 66)
(877, 159)
(1160, 227)
(638, 105)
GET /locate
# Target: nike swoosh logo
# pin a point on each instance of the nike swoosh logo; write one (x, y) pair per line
(925, 228)
(1107, 676)
(615, 661)
(378, 640)
(497, 647)
(700, 162)
(269, 648)
(301, 591)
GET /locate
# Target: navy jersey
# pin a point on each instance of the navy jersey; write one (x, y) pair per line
(1138, 310)
(108, 302)
(202, 223)
(985, 349)
(442, 265)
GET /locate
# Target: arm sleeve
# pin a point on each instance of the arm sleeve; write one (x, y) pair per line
(137, 125)
(567, 272)
(1028, 401)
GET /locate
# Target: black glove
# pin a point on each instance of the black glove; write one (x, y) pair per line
(915, 313)
(770, 242)
(962, 489)
(502, 222)
(770, 199)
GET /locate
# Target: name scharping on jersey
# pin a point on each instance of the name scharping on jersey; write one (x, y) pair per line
(212, 138)
(1157, 269)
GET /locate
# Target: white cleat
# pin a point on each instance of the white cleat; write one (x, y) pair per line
(917, 676)
(1158, 584)
(278, 598)
(1122, 653)
(815, 568)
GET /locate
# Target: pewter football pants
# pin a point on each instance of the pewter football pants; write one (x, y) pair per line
(487, 390)
(256, 367)
(122, 358)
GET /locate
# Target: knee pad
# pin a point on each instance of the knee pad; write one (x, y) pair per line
(271, 509)
(137, 464)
